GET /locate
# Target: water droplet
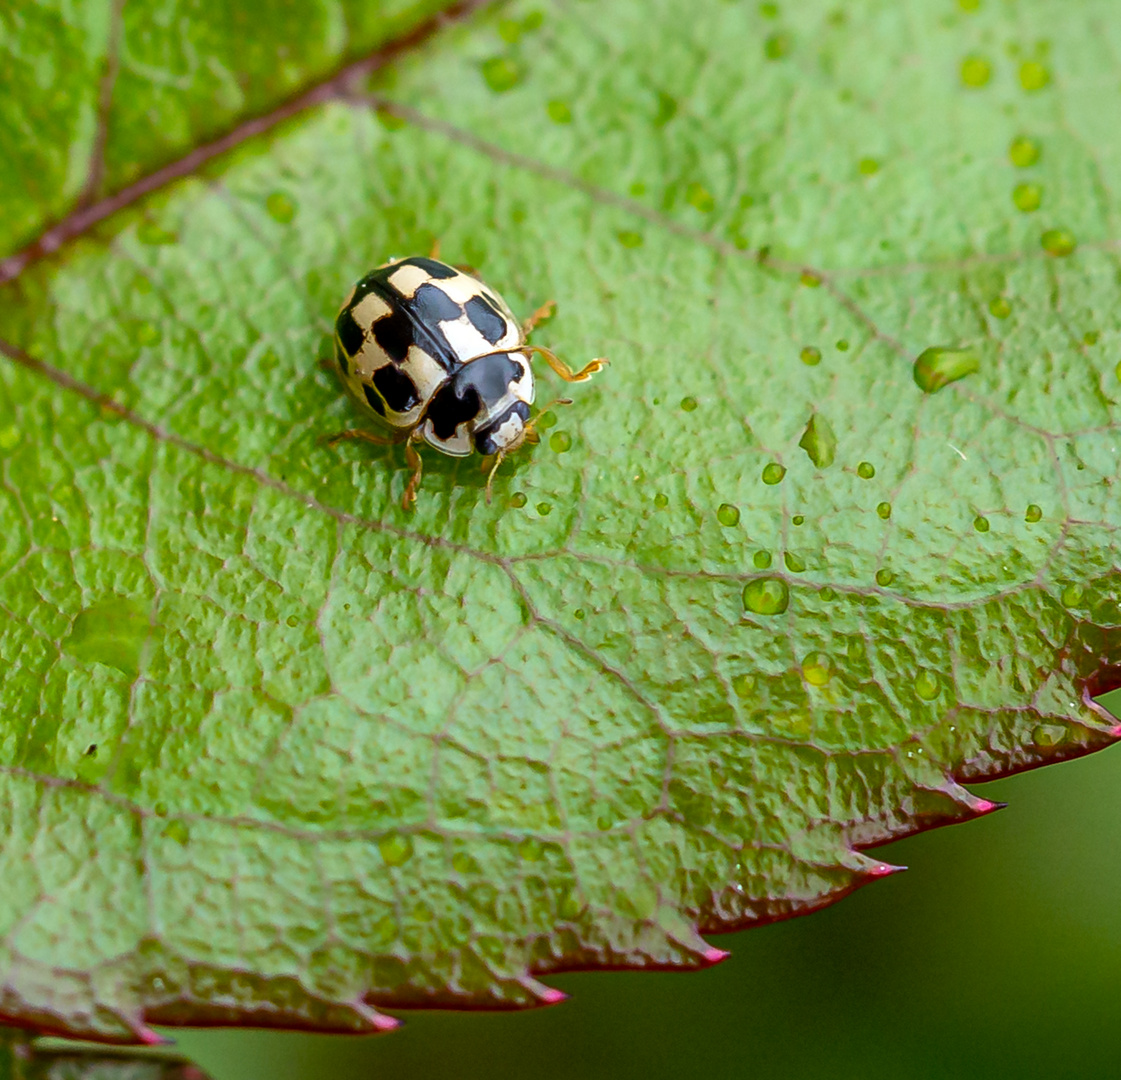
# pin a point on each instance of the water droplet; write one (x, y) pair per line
(766, 596)
(688, 404)
(926, 685)
(1048, 735)
(1058, 242)
(743, 686)
(819, 441)
(546, 420)
(292, 620)
(559, 112)
(761, 560)
(976, 71)
(868, 166)
(773, 473)
(177, 830)
(518, 499)
(884, 577)
(501, 73)
(793, 563)
(395, 849)
(828, 594)
(1023, 152)
(843, 345)
(999, 307)
(981, 524)
(1090, 337)
(10, 437)
(560, 442)
(629, 238)
(1034, 513)
(811, 356)
(700, 198)
(797, 519)
(817, 668)
(111, 633)
(1027, 197)
(727, 514)
(884, 510)
(531, 849)
(866, 470)
(1072, 596)
(939, 366)
(148, 232)
(579, 614)
(280, 207)
(1034, 75)
(777, 46)
(810, 279)
(544, 508)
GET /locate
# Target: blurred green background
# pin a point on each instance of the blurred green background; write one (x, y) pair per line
(998, 954)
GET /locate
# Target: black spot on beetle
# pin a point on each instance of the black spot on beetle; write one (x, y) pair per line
(396, 387)
(431, 305)
(349, 332)
(375, 401)
(394, 333)
(485, 318)
(429, 266)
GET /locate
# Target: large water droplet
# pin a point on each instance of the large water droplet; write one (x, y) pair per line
(819, 441)
(1058, 242)
(939, 366)
(1033, 513)
(1023, 151)
(884, 577)
(866, 470)
(727, 514)
(811, 356)
(661, 500)
(766, 596)
(817, 668)
(981, 523)
(560, 442)
(688, 404)
(1027, 197)
(926, 685)
(762, 560)
(884, 510)
(773, 473)
(395, 849)
(518, 499)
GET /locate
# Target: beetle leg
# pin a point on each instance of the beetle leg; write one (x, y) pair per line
(562, 369)
(493, 469)
(417, 465)
(539, 316)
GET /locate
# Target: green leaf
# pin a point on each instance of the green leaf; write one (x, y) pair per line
(22, 1059)
(276, 751)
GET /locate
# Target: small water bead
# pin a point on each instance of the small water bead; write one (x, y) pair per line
(866, 470)
(743, 686)
(1023, 152)
(766, 596)
(926, 685)
(976, 71)
(280, 207)
(727, 514)
(661, 501)
(817, 668)
(793, 563)
(999, 307)
(544, 508)
(560, 442)
(579, 614)
(1034, 75)
(688, 404)
(761, 560)
(797, 519)
(811, 356)
(547, 420)
(1058, 242)
(559, 112)
(292, 621)
(939, 366)
(501, 73)
(1027, 197)
(518, 499)
(828, 593)
(981, 523)
(884, 510)
(395, 849)
(1072, 596)
(1033, 513)
(884, 577)
(843, 345)
(773, 473)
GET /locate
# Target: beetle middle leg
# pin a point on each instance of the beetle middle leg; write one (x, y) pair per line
(417, 465)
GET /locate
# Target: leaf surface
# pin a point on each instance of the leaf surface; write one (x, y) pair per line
(765, 594)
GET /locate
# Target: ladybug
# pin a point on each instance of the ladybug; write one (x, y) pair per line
(433, 355)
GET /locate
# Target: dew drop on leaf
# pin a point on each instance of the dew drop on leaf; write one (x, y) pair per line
(1023, 152)
(999, 307)
(817, 668)
(884, 510)
(939, 366)
(688, 404)
(828, 594)
(1058, 242)
(547, 419)
(926, 685)
(761, 560)
(868, 166)
(1034, 75)
(579, 614)
(544, 508)
(976, 71)
(766, 596)
(518, 499)
(866, 470)
(797, 519)
(293, 621)
(395, 849)
(1033, 513)
(727, 514)
(819, 441)
(1027, 197)
(811, 356)
(884, 577)
(661, 500)
(981, 524)
(793, 563)
(773, 473)
(559, 112)
(501, 73)
(843, 345)
(1072, 596)
(560, 442)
